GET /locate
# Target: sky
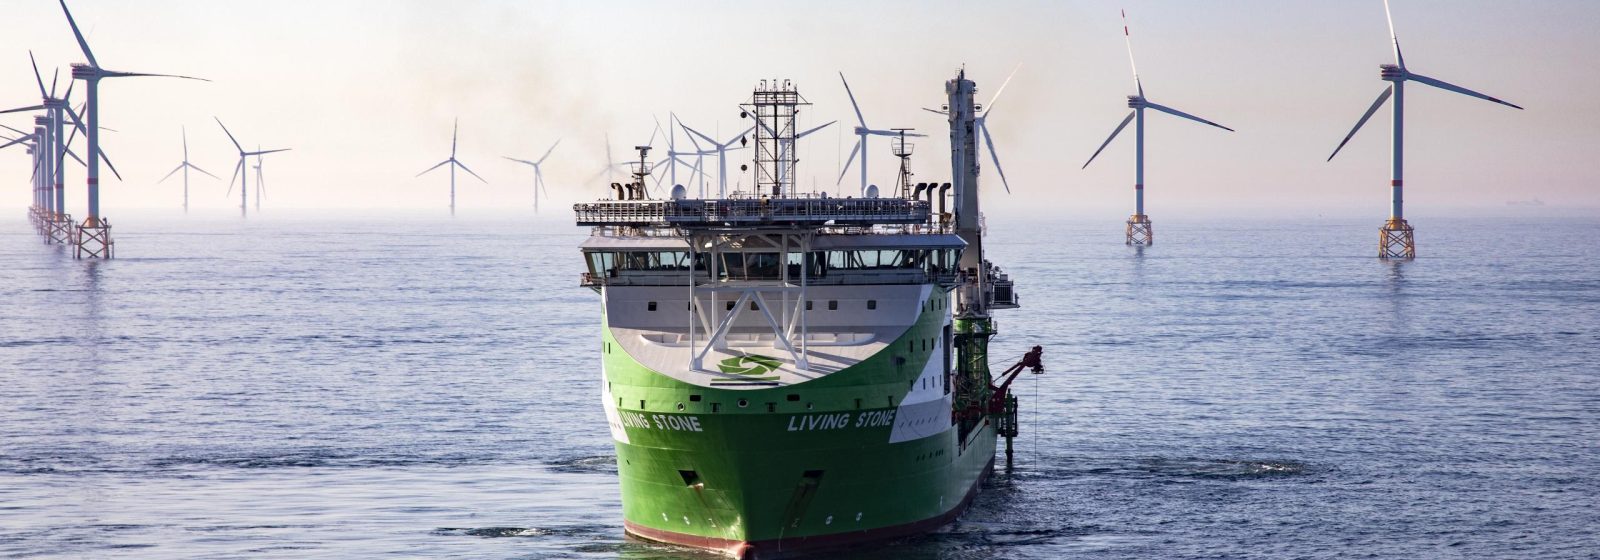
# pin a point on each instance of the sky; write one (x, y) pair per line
(365, 93)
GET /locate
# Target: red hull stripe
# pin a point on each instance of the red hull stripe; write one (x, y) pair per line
(762, 549)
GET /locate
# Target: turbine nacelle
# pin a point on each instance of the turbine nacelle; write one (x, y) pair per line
(1392, 73)
(1137, 102)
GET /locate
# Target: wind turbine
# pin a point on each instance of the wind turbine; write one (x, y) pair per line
(609, 171)
(53, 206)
(862, 131)
(721, 149)
(538, 174)
(453, 163)
(1395, 237)
(673, 160)
(242, 172)
(185, 167)
(94, 230)
(1139, 229)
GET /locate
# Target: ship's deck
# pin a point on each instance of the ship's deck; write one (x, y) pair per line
(817, 212)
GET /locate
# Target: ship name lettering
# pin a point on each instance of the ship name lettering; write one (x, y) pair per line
(874, 419)
(634, 419)
(677, 423)
(810, 422)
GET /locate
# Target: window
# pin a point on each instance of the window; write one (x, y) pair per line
(651, 306)
(833, 305)
(808, 305)
(730, 306)
(872, 304)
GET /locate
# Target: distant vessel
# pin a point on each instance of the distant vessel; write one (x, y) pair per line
(785, 371)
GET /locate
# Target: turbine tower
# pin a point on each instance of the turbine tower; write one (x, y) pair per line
(1395, 239)
(94, 235)
(538, 174)
(862, 132)
(241, 171)
(453, 165)
(1139, 230)
(185, 167)
(261, 178)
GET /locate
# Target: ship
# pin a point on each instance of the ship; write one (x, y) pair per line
(785, 371)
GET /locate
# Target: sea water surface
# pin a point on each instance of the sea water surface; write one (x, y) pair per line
(286, 387)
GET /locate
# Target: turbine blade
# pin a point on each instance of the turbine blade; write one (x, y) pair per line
(697, 133)
(174, 171)
(22, 109)
(1382, 97)
(741, 135)
(75, 157)
(990, 105)
(208, 173)
(936, 111)
(1177, 113)
(230, 134)
(520, 160)
(1128, 37)
(803, 134)
(547, 152)
(463, 167)
(1399, 60)
(79, 35)
(995, 156)
(896, 133)
(107, 160)
(235, 177)
(859, 118)
(260, 153)
(847, 163)
(116, 74)
(37, 77)
(425, 171)
(454, 129)
(1455, 88)
(1113, 136)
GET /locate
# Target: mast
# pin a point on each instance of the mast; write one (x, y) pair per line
(774, 105)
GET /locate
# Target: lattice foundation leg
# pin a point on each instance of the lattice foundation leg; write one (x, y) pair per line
(93, 240)
(1395, 240)
(1139, 230)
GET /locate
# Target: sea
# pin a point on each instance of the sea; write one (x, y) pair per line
(325, 386)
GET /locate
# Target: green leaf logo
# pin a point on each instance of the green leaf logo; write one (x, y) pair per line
(753, 364)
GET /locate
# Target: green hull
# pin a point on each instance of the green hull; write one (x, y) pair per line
(777, 469)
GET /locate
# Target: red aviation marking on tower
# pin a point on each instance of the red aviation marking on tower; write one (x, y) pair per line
(1395, 183)
(94, 180)
(1138, 186)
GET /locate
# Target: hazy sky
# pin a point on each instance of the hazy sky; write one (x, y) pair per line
(365, 92)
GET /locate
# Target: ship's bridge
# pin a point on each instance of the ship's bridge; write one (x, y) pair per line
(685, 301)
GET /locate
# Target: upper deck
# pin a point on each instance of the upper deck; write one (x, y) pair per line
(753, 212)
